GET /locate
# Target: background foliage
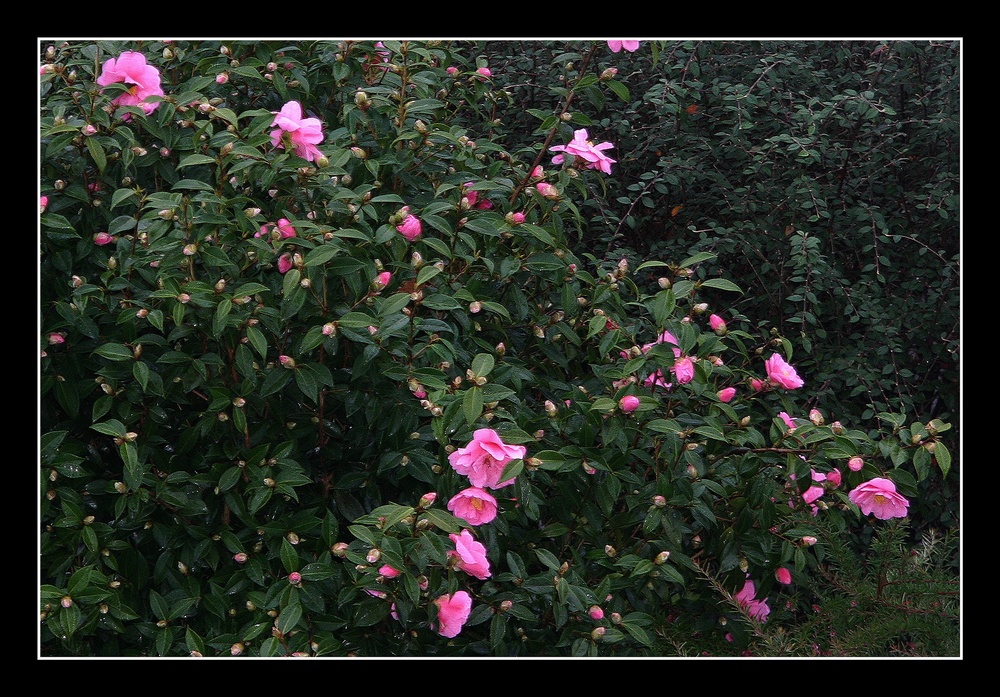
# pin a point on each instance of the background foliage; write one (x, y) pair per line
(807, 192)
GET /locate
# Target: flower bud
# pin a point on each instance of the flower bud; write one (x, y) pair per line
(628, 403)
(373, 555)
(240, 557)
(287, 361)
(661, 558)
(610, 551)
(808, 540)
(659, 501)
(595, 612)
(339, 549)
(427, 500)
(855, 464)
(295, 578)
(237, 649)
(837, 428)
(547, 191)
(597, 633)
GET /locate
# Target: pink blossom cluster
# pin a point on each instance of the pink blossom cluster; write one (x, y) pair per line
(482, 460)
(584, 149)
(819, 483)
(683, 367)
(142, 80)
(472, 198)
(284, 228)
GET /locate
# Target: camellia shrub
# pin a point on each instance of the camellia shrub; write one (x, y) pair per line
(327, 372)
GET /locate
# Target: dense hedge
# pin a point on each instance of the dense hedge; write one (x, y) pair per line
(486, 348)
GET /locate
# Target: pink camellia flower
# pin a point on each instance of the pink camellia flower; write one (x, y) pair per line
(585, 149)
(103, 238)
(788, 420)
(143, 80)
(379, 59)
(783, 575)
(538, 172)
(411, 227)
(757, 609)
(717, 324)
(452, 612)
(285, 228)
(484, 71)
(284, 263)
(470, 555)
(780, 374)
(666, 338)
(473, 198)
(683, 369)
(43, 202)
(879, 497)
(473, 505)
(834, 477)
(388, 571)
(657, 379)
(484, 458)
(628, 403)
(812, 493)
(302, 133)
(595, 612)
(855, 464)
(726, 394)
(547, 191)
(617, 45)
